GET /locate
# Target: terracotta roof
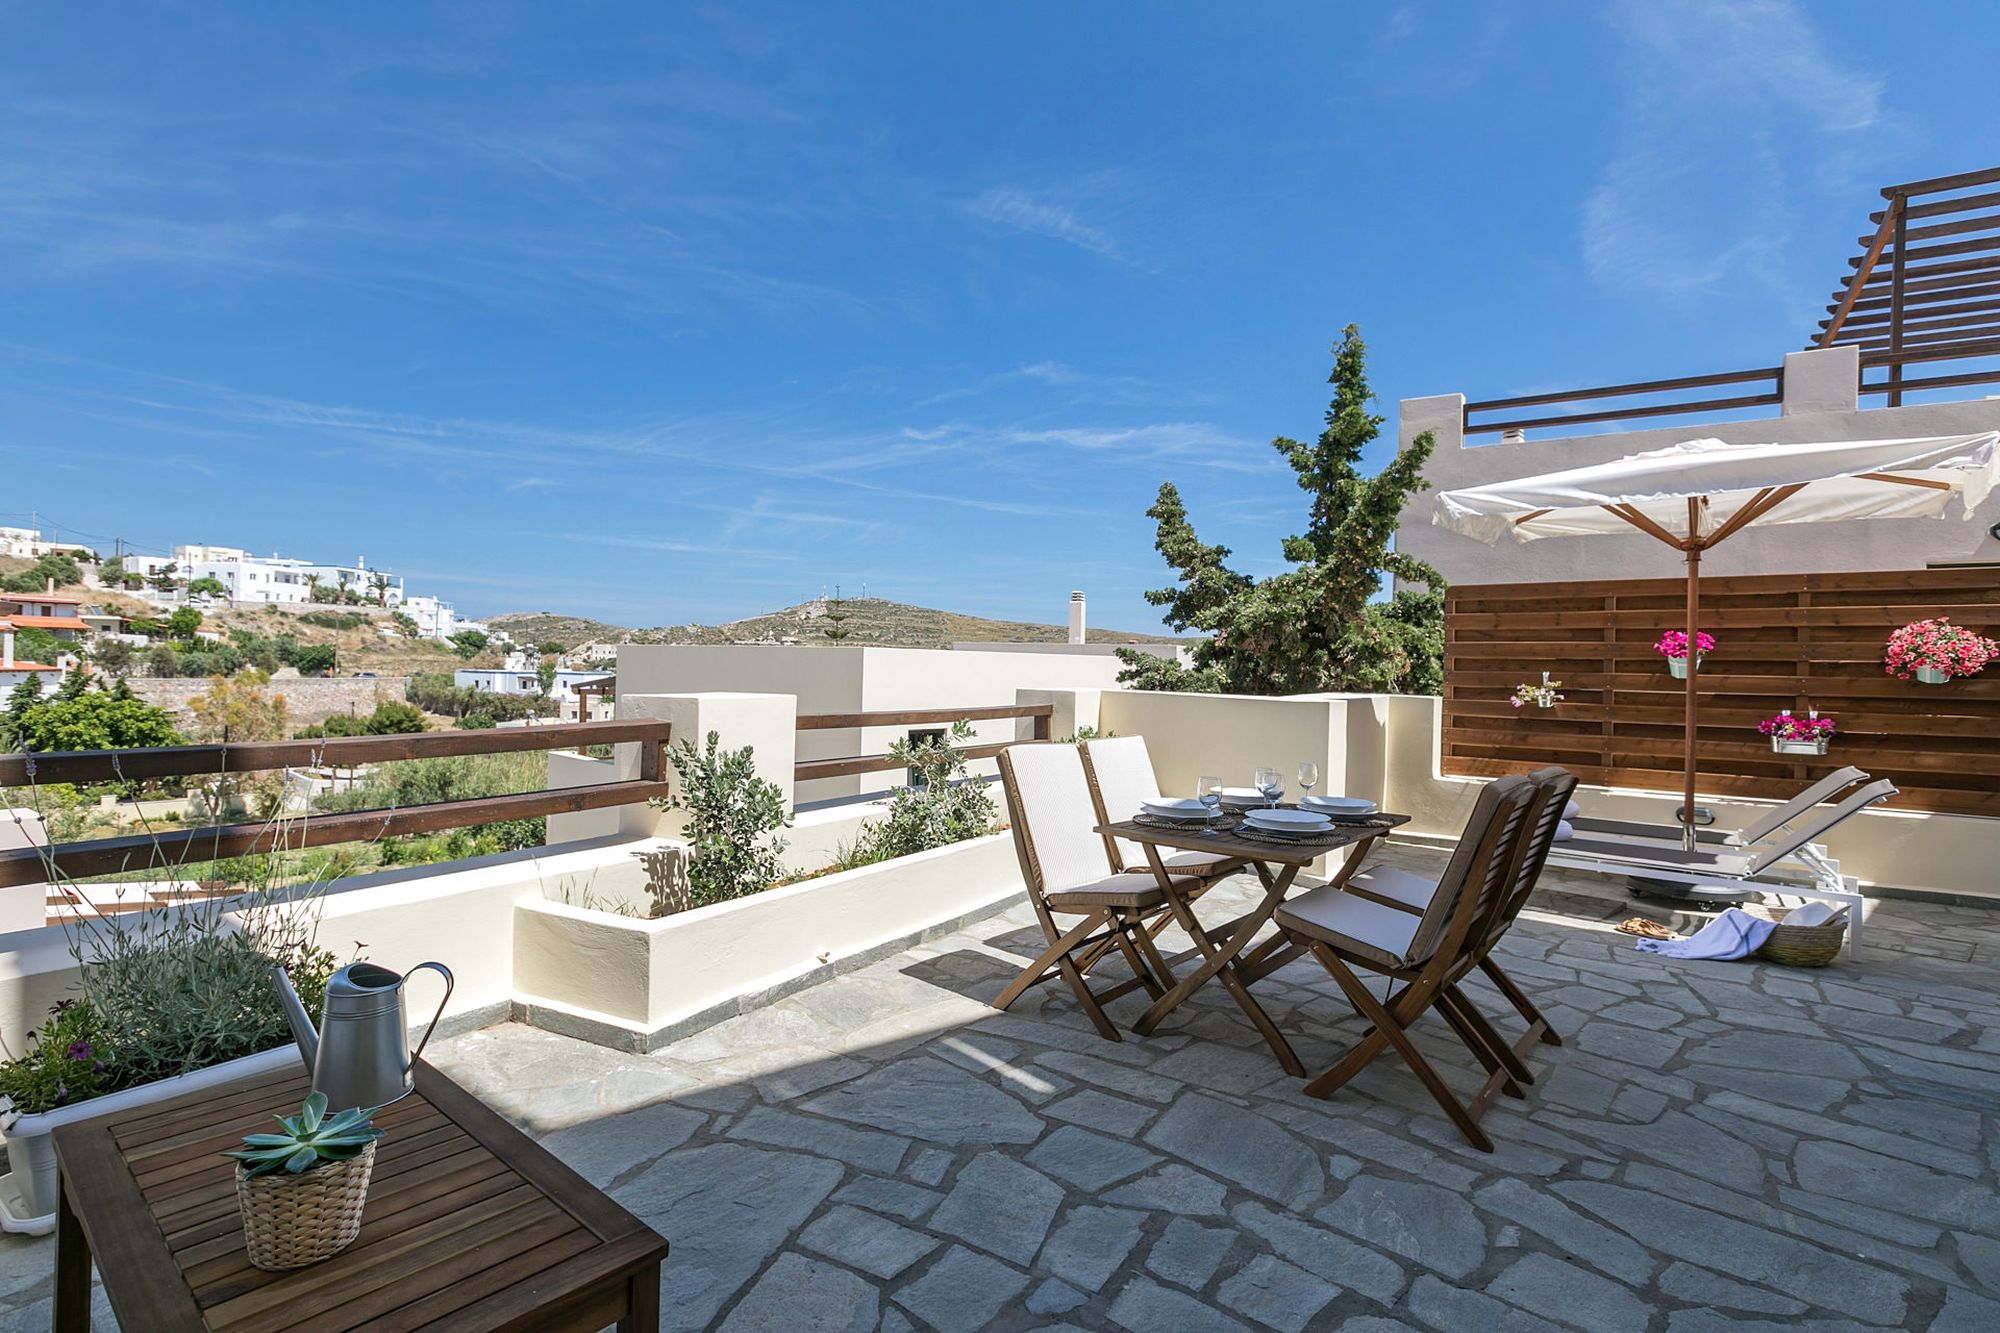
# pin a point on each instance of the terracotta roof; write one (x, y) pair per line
(44, 622)
(39, 597)
(28, 666)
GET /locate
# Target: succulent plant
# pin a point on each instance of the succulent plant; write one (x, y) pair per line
(311, 1138)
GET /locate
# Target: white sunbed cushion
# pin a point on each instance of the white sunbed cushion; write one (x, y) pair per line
(1572, 810)
(1564, 830)
(1369, 930)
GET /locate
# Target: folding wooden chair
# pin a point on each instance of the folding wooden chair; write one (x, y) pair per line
(1063, 860)
(1411, 892)
(1426, 952)
(1120, 769)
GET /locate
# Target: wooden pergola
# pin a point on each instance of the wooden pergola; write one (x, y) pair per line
(1915, 296)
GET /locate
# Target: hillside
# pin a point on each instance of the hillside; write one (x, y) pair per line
(869, 620)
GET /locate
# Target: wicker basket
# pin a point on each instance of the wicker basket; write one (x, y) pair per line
(1799, 946)
(291, 1221)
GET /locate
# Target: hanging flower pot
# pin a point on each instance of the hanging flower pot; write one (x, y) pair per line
(1933, 651)
(1673, 646)
(1798, 735)
(1541, 696)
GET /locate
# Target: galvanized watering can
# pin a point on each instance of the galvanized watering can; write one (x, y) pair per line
(360, 1055)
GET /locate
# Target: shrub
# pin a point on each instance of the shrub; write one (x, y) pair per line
(942, 807)
(732, 814)
(334, 619)
(313, 659)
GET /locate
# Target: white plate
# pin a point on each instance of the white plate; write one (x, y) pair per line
(1288, 820)
(1242, 796)
(1177, 808)
(1351, 807)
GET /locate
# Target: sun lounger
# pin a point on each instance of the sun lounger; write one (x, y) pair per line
(1756, 831)
(1783, 861)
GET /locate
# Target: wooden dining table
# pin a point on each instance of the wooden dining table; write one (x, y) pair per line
(1224, 948)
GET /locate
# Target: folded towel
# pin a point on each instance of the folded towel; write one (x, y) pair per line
(1564, 830)
(1734, 934)
(1572, 810)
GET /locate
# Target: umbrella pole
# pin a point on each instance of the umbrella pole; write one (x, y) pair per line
(1693, 672)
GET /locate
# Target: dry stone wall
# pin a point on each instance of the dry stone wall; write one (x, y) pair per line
(308, 699)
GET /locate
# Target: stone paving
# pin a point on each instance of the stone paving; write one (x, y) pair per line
(1716, 1146)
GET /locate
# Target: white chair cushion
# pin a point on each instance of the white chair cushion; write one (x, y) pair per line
(1352, 925)
(1123, 768)
(1058, 820)
(1398, 886)
(1189, 863)
(1127, 890)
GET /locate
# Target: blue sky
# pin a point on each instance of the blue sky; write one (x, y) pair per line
(663, 313)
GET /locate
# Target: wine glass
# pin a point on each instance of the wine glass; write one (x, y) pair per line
(1308, 779)
(1208, 791)
(1272, 783)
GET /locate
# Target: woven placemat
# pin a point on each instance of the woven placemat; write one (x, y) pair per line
(1190, 825)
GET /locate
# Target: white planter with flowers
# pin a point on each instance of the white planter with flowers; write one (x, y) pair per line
(28, 1190)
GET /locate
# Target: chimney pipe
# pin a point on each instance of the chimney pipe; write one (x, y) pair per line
(1076, 617)
(7, 647)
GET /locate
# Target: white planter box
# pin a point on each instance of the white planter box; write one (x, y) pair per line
(625, 981)
(31, 1155)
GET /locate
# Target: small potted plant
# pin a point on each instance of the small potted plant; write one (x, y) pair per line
(1933, 651)
(1798, 735)
(1541, 696)
(301, 1191)
(1673, 646)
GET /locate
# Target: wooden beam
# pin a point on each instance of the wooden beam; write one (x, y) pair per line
(166, 851)
(807, 770)
(1924, 482)
(919, 717)
(1645, 525)
(170, 761)
(1867, 266)
(1939, 184)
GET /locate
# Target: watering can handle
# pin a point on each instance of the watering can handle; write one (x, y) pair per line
(449, 982)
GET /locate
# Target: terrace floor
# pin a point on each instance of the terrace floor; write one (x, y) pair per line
(1717, 1145)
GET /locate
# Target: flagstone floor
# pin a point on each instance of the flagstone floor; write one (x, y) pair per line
(1715, 1146)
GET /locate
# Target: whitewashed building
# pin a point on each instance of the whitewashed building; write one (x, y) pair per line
(517, 675)
(435, 617)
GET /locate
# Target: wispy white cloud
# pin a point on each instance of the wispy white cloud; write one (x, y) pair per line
(1016, 208)
(1731, 106)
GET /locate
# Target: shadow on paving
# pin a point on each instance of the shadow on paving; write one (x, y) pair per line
(1715, 1145)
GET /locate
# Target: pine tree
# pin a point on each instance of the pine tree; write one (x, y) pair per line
(1316, 626)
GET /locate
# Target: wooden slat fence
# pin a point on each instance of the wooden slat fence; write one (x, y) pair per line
(1784, 641)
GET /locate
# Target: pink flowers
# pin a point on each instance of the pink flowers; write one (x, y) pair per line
(1674, 643)
(1785, 727)
(1937, 645)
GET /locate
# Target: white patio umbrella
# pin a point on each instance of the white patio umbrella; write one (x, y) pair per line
(1700, 492)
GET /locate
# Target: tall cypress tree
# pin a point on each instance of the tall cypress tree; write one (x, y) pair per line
(1315, 626)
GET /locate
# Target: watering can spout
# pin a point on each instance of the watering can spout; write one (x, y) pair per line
(296, 1015)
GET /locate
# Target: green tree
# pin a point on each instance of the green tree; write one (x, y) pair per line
(208, 587)
(732, 815)
(1317, 626)
(53, 567)
(113, 655)
(314, 659)
(836, 618)
(83, 716)
(112, 572)
(545, 676)
(469, 643)
(183, 623)
(37, 645)
(404, 625)
(239, 708)
(162, 661)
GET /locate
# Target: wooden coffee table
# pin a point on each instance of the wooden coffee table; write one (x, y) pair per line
(1222, 948)
(469, 1225)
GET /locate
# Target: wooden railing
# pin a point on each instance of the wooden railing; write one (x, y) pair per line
(1652, 390)
(805, 770)
(180, 846)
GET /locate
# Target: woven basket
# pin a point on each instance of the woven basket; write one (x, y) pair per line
(291, 1221)
(1799, 946)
